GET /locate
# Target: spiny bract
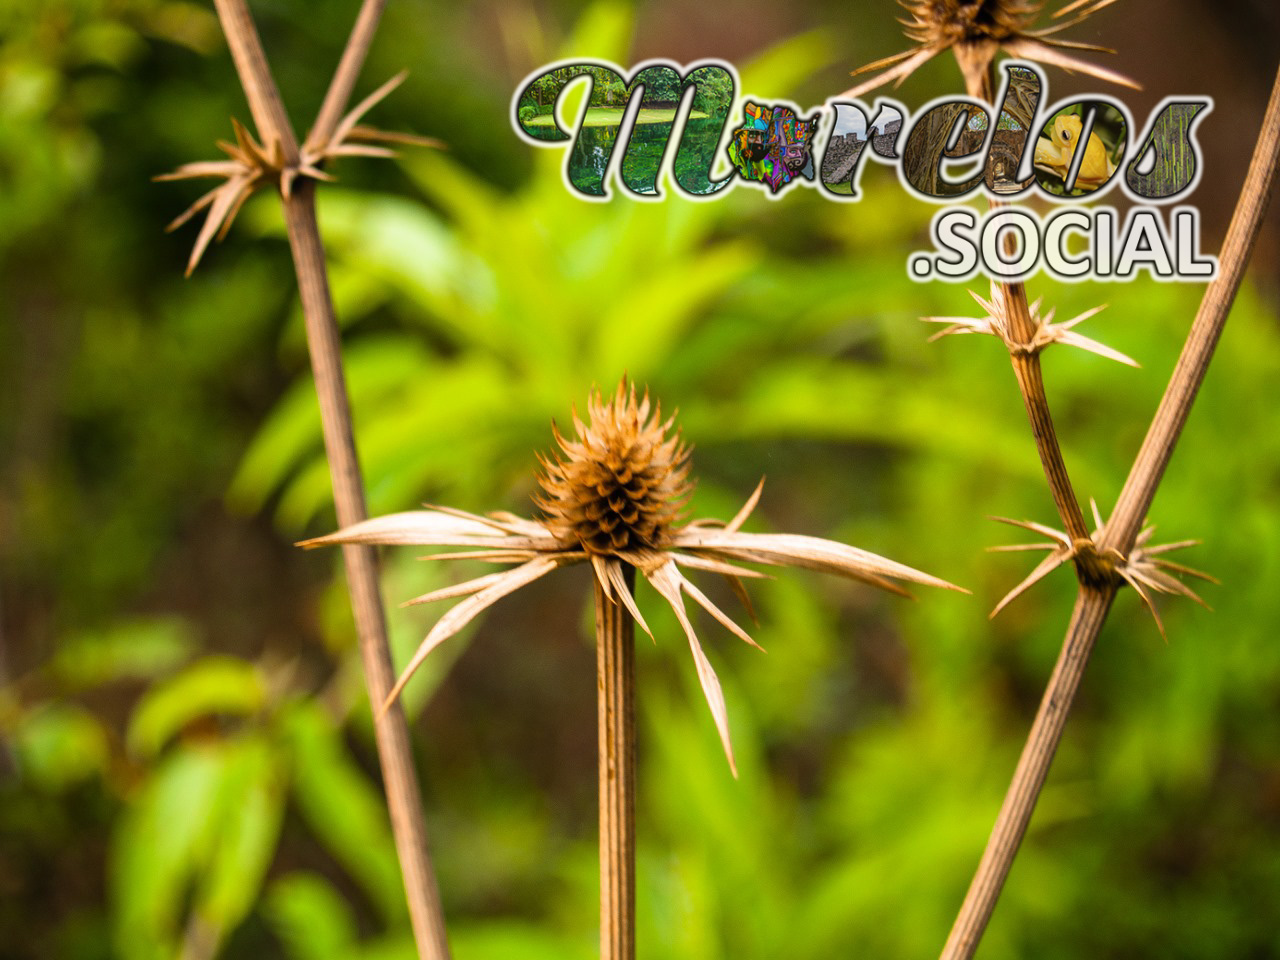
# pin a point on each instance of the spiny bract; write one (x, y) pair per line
(975, 30)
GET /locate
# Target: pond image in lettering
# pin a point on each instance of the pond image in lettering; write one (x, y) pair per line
(662, 87)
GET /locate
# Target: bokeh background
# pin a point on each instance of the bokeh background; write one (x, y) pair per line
(186, 763)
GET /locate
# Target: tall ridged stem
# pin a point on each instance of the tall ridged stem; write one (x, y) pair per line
(1157, 447)
(1026, 366)
(1026, 369)
(404, 799)
(391, 731)
(1094, 601)
(1028, 779)
(344, 78)
(616, 682)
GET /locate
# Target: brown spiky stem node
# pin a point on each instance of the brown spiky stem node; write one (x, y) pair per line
(619, 486)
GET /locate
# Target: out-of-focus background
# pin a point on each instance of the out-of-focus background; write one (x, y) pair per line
(186, 765)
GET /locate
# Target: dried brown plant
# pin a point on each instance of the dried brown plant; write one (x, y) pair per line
(250, 166)
(1145, 568)
(1117, 552)
(975, 30)
(1046, 332)
(612, 498)
(275, 157)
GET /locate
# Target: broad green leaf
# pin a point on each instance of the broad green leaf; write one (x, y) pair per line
(642, 328)
(603, 32)
(164, 836)
(778, 71)
(213, 685)
(512, 940)
(250, 809)
(376, 368)
(132, 649)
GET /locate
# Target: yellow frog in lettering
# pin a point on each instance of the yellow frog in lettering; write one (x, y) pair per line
(1055, 155)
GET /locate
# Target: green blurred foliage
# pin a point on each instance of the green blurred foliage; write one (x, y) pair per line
(186, 762)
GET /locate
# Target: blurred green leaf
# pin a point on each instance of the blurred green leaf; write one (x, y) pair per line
(213, 685)
(136, 649)
(342, 808)
(59, 745)
(603, 32)
(161, 841)
(782, 67)
(517, 941)
(251, 807)
(311, 918)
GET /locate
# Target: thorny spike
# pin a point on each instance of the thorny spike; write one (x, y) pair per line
(1143, 568)
(996, 323)
(253, 166)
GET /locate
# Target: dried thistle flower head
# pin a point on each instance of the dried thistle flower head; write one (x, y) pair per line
(613, 498)
(620, 485)
(948, 22)
(975, 30)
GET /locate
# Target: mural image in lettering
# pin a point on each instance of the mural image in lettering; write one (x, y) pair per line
(774, 145)
(846, 146)
(1009, 143)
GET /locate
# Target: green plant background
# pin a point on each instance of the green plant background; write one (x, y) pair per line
(186, 765)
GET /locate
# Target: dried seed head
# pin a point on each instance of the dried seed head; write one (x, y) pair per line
(975, 30)
(613, 496)
(948, 22)
(620, 485)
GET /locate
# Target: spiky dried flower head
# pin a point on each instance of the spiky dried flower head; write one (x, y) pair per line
(949, 22)
(619, 485)
(975, 30)
(613, 498)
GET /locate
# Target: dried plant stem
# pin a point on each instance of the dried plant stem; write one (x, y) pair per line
(344, 78)
(268, 110)
(1033, 767)
(404, 800)
(1094, 601)
(390, 728)
(1148, 469)
(1026, 366)
(615, 674)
